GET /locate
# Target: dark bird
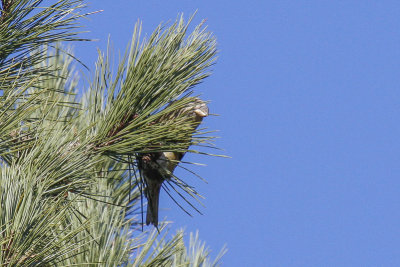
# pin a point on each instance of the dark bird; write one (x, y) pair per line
(156, 167)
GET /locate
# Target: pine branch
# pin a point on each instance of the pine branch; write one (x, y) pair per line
(25, 27)
(65, 176)
(157, 71)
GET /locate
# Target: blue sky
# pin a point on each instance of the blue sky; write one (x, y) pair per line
(309, 100)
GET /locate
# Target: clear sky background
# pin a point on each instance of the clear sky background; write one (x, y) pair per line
(308, 94)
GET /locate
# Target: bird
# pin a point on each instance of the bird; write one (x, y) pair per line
(159, 166)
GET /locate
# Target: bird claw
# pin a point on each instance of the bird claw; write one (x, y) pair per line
(146, 158)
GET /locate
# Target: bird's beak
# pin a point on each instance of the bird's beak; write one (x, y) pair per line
(201, 112)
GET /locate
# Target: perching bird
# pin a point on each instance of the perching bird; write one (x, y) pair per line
(156, 167)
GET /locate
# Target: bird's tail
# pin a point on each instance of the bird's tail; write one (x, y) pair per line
(153, 195)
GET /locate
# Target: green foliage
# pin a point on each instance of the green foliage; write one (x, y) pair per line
(67, 160)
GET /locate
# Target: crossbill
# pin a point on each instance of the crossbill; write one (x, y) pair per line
(157, 167)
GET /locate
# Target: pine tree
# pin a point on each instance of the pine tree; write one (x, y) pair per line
(70, 186)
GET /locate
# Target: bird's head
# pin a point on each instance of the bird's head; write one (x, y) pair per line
(197, 109)
(194, 110)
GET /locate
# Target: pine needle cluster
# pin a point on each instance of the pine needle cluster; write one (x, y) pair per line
(69, 189)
